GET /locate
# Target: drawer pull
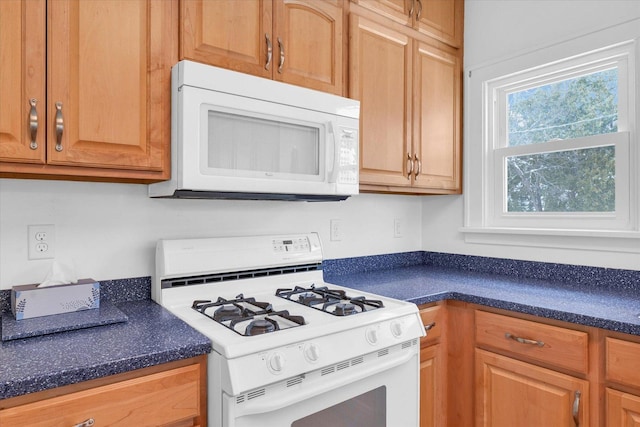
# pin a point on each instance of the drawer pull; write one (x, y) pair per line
(523, 340)
(59, 126)
(33, 123)
(429, 327)
(576, 408)
(87, 423)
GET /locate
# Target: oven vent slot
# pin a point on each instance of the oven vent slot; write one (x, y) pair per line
(357, 361)
(383, 352)
(342, 365)
(237, 275)
(295, 381)
(407, 344)
(327, 371)
(255, 393)
(240, 399)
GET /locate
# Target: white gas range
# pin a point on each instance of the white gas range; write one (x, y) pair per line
(288, 348)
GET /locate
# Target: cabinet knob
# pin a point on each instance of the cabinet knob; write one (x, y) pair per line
(409, 166)
(419, 163)
(576, 408)
(86, 423)
(419, 12)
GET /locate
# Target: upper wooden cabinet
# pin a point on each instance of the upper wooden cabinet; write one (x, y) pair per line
(294, 41)
(410, 94)
(440, 19)
(89, 97)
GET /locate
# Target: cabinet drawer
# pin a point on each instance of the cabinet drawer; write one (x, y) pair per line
(564, 348)
(432, 318)
(622, 361)
(154, 400)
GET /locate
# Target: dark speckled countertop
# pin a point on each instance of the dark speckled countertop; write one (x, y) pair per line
(600, 297)
(151, 336)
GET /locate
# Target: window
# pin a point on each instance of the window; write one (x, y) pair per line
(554, 131)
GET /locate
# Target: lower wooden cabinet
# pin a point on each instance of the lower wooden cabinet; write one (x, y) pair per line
(621, 371)
(623, 409)
(172, 397)
(514, 393)
(432, 368)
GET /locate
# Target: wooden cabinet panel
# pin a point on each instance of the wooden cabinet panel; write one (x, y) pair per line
(564, 348)
(432, 412)
(397, 10)
(622, 359)
(159, 399)
(441, 19)
(98, 65)
(623, 409)
(22, 78)
(436, 118)
(228, 33)
(106, 115)
(433, 321)
(309, 39)
(510, 393)
(294, 41)
(380, 64)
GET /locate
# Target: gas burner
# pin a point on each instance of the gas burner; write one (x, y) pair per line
(333, 301)
(246, 316)
(261, 326)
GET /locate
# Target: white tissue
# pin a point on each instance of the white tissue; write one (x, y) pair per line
(60, 274)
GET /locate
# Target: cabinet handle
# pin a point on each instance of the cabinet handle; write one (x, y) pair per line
(281, 63)
(419, 10)
(411, 9)
(419, 168)
(59, 126)
(87, 423)
(409, 166)
(33, 123)
(576, 408)
(429, 327)
(523, 340)
(269, 51)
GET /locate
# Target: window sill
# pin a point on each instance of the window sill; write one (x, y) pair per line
(607, 241)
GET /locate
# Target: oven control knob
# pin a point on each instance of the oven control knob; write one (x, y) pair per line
(276, 363)
(372, 335)
(312, 352)
(397, 329)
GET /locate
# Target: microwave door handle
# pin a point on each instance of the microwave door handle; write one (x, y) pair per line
(334, 144)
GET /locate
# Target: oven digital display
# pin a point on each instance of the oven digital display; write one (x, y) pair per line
(287, 242)
(291, 245)
(368, 409)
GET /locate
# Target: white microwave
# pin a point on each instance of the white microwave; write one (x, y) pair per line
(237, 136)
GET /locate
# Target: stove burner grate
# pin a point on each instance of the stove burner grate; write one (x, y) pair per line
(333, 301)
(246, 316)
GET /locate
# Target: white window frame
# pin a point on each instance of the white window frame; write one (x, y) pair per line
(486, 218)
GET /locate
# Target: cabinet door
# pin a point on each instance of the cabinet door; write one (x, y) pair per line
(22, 78)
(229, 34)
(436, 119)
(513, 393)
(441, 19)
(308, 44)
(623, 409)
(165, 398)
(400, 11)
(108, 82)
(432, 411)
(380, 65)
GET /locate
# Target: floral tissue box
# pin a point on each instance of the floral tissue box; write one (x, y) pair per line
(29, 301)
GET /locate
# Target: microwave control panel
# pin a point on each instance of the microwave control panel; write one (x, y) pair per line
(348, 151)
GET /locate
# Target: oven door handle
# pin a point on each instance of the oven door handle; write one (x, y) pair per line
(259, 406)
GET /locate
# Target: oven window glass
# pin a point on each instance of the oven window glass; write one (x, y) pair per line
(245, 143)
(368, 409)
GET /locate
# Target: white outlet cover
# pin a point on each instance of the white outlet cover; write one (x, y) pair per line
(41, 241)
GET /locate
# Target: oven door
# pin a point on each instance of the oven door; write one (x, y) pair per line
(379, 390)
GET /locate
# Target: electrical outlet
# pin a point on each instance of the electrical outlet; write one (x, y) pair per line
(41, 241)
(397, 227)
(336, 230)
